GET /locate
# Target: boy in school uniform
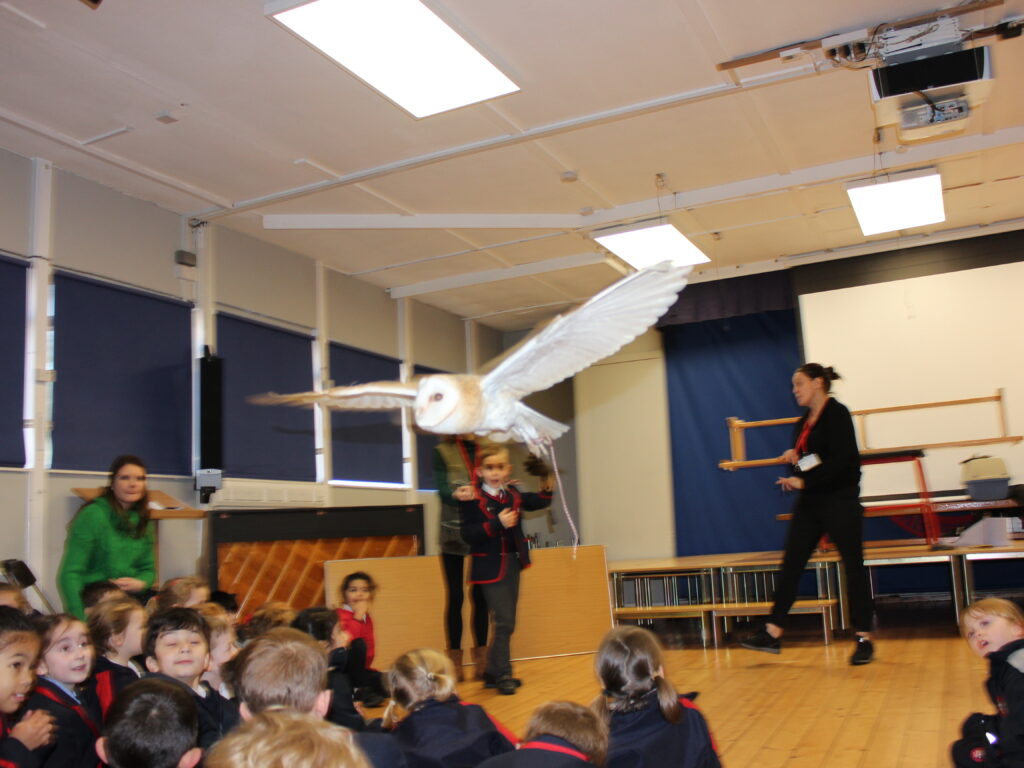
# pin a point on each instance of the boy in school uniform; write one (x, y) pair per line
(490, 524)
(177, 648)
(994, 628)
(153, 723)
(286, 668)
(560, 734)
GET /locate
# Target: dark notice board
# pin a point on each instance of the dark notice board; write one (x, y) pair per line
(281, 524)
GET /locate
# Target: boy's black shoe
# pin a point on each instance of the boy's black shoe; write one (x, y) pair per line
(863, 653)
(507, 685)
(490, 681)
(762, 641)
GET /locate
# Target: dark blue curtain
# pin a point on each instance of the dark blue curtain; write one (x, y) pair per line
(425, 442)
(123, 361)
(267, 442)
(366, 445)
(741, 367)
(12, 362)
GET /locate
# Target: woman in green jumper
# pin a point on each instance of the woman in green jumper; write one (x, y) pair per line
(110, 538)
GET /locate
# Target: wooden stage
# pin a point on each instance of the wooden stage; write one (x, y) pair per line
(807, 707)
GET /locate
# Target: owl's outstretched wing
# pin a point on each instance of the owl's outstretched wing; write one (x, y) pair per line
(605, 323)
(372, 396)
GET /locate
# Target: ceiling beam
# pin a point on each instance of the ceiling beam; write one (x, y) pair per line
(423, 221)
(497, 275)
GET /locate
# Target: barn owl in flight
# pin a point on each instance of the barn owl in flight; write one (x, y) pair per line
(456, 404)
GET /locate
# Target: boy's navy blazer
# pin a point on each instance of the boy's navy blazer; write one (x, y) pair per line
(14, 754)
(217, 715)
(109, 679)
(543, 752)
(78, 726)
(488, 539)
(451, 734)
(645, 739)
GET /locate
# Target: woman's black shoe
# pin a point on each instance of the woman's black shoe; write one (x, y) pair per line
(762, 641)
(864, 653)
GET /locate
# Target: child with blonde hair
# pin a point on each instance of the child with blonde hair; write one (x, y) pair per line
(438, 728)
(283, 738)
(649, 724)
(11, 595)
(994, 629)
(19, 650)
(223, 647)
(117, 627)
(560, 734)
(183, 592)
(64, 664)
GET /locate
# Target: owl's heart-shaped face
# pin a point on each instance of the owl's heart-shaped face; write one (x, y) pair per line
(437, 403)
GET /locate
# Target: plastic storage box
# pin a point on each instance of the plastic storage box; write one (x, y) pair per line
(986, 478)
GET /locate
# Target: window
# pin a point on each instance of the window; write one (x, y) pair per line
(123, 361)
(12, 362)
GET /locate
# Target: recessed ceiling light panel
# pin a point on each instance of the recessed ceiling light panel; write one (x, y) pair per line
(898, 201)
(646, 245)
(399, 47)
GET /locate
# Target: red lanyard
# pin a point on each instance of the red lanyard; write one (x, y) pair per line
(801, 442)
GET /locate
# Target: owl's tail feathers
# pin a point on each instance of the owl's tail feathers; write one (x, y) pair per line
(537, 430)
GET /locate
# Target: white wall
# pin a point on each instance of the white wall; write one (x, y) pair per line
(361, 315)
(941, 337)
(15, 192)
(624, 459)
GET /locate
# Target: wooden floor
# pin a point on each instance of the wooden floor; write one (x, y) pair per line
(807, 706)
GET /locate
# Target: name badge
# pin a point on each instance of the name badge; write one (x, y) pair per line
(808, 462)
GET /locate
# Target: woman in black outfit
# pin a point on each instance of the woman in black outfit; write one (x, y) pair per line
(826, 477)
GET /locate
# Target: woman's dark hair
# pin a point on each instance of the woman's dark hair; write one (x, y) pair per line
(628, 665)
(141, 506)
(818, 371)
(318, 622)
(356, 576)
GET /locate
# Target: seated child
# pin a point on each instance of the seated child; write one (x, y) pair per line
(322, 625)
(12, 596)
(286, 668)
(649, 724)
(223, 647)
(560, 734)
(284, 738)
(183, 592)
(439, 729)
(64, 664)
(152, 724)
(177, 647)
(266, 618)
(117, 627)
(490, 524)
(357, 591)
(95, 592)
(19, 651)
(994, 629)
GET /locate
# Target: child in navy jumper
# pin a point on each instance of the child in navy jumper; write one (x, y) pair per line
(649, 724)
(561, 734)
(177, 647)
(19, 650)
(439, 729)
(64, 665)
(994, 628)
(322, 624)
(117, 627)
(491, 526)
(152, 724)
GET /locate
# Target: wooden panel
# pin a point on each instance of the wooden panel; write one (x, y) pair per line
(292, 572)
(564, 603)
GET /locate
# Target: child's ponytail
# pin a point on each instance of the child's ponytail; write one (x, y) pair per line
(668, 700)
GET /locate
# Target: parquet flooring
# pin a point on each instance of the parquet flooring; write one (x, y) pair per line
(807, 706)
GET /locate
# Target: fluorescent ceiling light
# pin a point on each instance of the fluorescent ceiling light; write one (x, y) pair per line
(399, 47)
(905, 200)
(644, 246)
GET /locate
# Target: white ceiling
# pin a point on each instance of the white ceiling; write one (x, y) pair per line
(616, 91)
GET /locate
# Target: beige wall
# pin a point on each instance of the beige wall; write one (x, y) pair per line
(361, 315)
(622, 446)
(15, 192)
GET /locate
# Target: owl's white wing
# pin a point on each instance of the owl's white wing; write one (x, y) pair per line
(372, 396)
(605, 323)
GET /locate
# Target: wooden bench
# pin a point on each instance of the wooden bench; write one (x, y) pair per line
(712, 612)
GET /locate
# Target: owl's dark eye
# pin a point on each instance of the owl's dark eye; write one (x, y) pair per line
(437, 396)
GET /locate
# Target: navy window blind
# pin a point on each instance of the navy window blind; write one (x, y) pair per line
(366, 446)
(12, 362)
(266, 442)
(123, 362)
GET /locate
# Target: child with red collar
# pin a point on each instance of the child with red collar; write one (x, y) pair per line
(490, 524)
(64, 665)
(19, 650)
(561, 734)
(994, 628)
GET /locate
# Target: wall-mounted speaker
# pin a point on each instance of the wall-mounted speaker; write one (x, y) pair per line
(211, 406)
